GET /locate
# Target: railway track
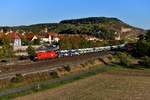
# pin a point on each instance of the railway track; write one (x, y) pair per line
(46, 65)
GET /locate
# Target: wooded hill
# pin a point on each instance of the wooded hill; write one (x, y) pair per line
(102, 27)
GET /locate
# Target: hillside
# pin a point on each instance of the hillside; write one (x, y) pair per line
(102, 27)
(92, 20)
(107, 25)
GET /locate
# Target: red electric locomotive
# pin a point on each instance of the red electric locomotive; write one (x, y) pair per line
(46, 55)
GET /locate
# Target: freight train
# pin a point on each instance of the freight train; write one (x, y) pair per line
(73, 52)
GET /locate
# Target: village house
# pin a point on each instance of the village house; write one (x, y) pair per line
(54, 37)
(47, 37)
(14, 38)
(31, 37)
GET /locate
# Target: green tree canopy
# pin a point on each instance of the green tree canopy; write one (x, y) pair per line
(143, 45)
(31, 52)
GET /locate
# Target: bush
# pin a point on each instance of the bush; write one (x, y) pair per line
(67, 68)
(54, 74)
(142, 48)
(17, 78)
(36, 42)
(6, 51)
(123, 58)
(146, 61)
(31, 52)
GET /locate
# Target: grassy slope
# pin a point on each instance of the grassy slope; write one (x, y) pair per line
(124, 84)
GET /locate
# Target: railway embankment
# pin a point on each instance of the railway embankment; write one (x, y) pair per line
(21, 82)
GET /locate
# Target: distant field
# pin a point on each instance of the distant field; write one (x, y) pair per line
(118, 84)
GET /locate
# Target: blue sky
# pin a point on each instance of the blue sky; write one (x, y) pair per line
(26, 12)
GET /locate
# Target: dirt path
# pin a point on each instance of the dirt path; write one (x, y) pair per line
(107, 86)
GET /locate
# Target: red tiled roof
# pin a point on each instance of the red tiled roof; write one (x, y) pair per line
(13, 35)
(29, 37)
(53, 33)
